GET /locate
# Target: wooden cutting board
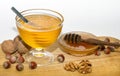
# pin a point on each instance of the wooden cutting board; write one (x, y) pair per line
(103, 65)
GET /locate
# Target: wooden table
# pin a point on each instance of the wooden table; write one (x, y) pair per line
(103, 65)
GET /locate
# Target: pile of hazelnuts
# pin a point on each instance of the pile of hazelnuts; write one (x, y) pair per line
(107, 49)
(14, 53)
(14, 50)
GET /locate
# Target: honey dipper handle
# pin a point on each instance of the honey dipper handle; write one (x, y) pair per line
(19, 15)
(99, 42)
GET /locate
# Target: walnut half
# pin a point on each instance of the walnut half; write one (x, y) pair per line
(85, 67)
(71, 66)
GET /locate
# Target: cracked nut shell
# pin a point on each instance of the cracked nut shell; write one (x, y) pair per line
(22, 47)
(17, 39)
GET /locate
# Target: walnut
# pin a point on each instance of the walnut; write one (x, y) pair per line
(71, 66)
(17, 39)
(8, 46)
(22, 47)
(85, 67)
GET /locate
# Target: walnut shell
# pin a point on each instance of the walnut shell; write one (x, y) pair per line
(22, 47)
(17, 39)
(8, 46)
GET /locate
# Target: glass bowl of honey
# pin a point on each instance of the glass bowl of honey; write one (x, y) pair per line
(77, 49)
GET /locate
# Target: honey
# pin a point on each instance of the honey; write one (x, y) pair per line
(43, 34)
(86, 45)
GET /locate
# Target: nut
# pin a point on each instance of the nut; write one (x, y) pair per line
(97, 53)
(6, 64)
(85, 70)
(107, 50)
(112, 48)
(8, 46)
(13, 59)
(60, 58)
(71, 66)
(17, 39)
(32, 65)
(19, 67)
(85, 67)
(22, 47)
(20, 59)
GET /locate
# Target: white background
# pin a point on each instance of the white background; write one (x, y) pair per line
(100, 17)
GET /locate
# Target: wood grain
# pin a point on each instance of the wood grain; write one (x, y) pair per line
(103, 65)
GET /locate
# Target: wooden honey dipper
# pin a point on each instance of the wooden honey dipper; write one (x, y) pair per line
(76, 39)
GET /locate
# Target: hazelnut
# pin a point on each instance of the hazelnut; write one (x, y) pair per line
(8, 46)
(97, 53)
(6, 64)
(20, 59)
(112, 48)
(107, 50)
(60, 58)
(19, 67)
(13, 59)
(32, 65)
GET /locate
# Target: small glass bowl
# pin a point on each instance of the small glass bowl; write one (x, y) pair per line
(82, 49)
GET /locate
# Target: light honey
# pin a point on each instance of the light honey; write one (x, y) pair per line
(41, 35)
